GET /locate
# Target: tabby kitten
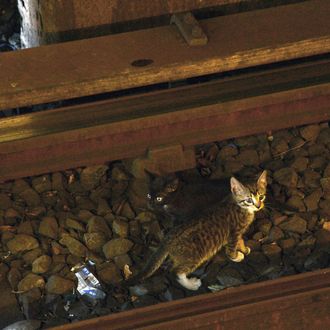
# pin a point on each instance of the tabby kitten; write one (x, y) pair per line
(195, 242)
(170, 196)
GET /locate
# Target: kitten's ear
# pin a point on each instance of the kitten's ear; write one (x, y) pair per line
(262, 181)
(236, 187)
(172, 185)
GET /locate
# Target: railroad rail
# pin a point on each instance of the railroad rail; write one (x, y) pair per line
(294, 302)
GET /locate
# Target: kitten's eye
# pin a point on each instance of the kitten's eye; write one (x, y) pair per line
(159, 199)
(148, 196)
(262, 198)
(249, 200)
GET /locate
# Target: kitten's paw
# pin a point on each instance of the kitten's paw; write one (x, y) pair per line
(239, 257)
(247, 251)
(192, 283)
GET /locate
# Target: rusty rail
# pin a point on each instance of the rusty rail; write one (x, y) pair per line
(294, 302)
(98, 65)
(126, 127)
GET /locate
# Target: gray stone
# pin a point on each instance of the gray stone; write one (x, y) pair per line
(3, 271)
(41, 183)
(31, 281)
(22, 242)
(74, 224)
(127, 211)
(228, 151)
(19, 186)
(32, 255)
(116, 247)
(275, 234)
(75, 247)
(286, 177)
(120, 227)
(324, 206)
(110, 274)
(97, 224)
(41, 264)
(103, 207)
(230, 277)
(295, 224)
(85, 215)
(323, 238)
(300, 164)
(287, 245)
(25, 228)
(318, 259)
(122, 260)
(5, 201)
(95, 241)
(326, 173)
(309, 132)
(312, 200)
(90, 177)
(59, 285)
(308, 242)
(14, 276)
(272, 252)
(248, 157)
(324, 136)
(49, 227)
(58, 181)
(325, 183)
(311, 178)
(296, 202)
(31, 197)
(264, 225)
(279, 146)
(134, 228)
(233, 166)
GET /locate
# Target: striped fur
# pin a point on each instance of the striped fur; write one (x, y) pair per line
(193, 243)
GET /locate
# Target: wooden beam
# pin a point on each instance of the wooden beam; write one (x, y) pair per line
(50, 21)
(126, 127)
(292, 302)
(104, 64)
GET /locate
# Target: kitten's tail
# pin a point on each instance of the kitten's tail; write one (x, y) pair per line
(151, 266)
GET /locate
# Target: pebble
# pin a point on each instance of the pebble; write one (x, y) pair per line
(286, 177)
(5, 202)
(31, 281)
(110, 274)
(41, 264)
(31, 197)
(287, 244)
(300, 164)
(98, 224)
(90, 177)
(49, 227)
(323, 238)
(74, 224)
(95, 241)
(275, 234)
(248, 157)
(75, 247)
(309, 132)
(295, 224)
(272, 252)
(22, 242)
(312, 200)
(41, 183)
(229, 277)
(120, 227)
(116, 247)
(59, 285)
(30, 256)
